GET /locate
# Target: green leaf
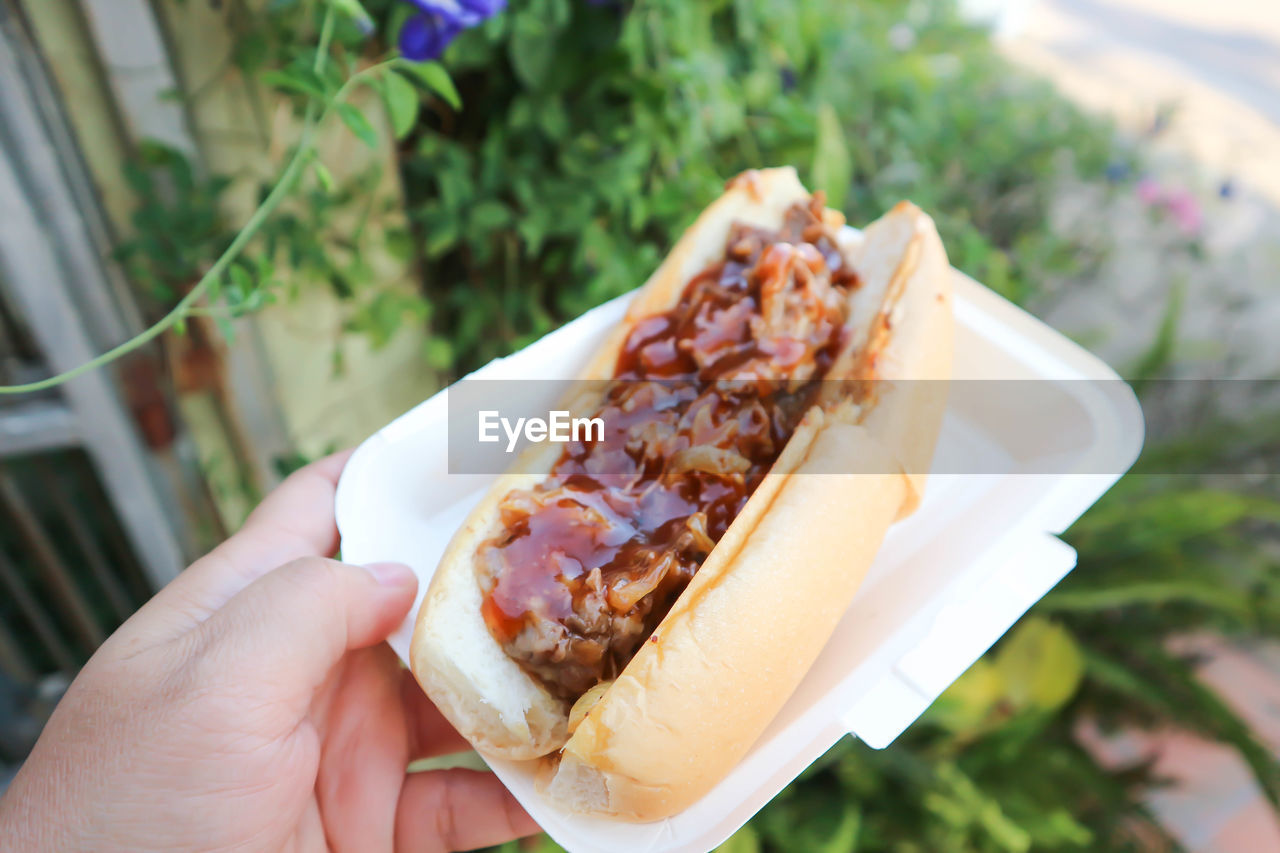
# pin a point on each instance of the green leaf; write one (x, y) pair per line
(489, 215)
(402, 104)
(845, 835)
(251, 51)
(226, 328)
(438, 353)
(294, 81)
(553, 119)
(442, 238)
(1161, 351)
(258, 299)
(1041, 664)
(359, 124)
(241, 285)
(1151, 593)
(323, 175)
(532, 49)
(434, 78)
(832, 167)
(817, 818)
(399, 243)
(961, 802)
(382, 317)
(1121, 528)
(354, 10)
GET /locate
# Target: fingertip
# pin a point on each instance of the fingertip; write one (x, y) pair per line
(304, 616)
(392, 574)
(397, 587)
(332, 465)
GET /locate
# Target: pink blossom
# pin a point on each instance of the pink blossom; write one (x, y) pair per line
(1149, 191)
(1185, 210)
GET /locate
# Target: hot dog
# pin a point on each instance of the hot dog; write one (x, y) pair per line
(633, 611)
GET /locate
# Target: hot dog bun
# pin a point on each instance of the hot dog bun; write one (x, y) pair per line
(740, 637)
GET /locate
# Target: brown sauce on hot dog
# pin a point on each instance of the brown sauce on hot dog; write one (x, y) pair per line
(704, 398)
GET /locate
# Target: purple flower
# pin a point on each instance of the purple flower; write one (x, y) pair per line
(425, 37)
(438, 22)
(1117, 171)
(484, 8)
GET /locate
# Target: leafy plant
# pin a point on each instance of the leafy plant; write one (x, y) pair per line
(178, 227)
(208, 275)
(594, 133)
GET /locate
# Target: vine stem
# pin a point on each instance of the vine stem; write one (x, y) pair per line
(301, 157)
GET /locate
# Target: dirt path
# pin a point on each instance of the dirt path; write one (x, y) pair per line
(1200, 83)
(1217, 63)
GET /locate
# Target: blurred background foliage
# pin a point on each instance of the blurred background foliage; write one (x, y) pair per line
(584, 169)
(591, 133)
(582, 137)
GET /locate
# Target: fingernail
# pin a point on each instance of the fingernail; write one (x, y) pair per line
(390, 574)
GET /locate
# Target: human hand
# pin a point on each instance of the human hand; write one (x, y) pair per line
(252, 705)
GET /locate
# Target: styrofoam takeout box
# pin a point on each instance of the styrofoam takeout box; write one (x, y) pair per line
(948, 581)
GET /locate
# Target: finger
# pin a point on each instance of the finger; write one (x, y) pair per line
(294, 521)
(430, 734)
(446, 810)
(363, 747)
(284, 632)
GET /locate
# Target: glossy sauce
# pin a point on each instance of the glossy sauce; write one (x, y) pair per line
(705, 397)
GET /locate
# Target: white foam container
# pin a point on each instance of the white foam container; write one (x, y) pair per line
(947, 583)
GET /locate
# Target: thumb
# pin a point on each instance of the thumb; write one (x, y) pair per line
(291, 626)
